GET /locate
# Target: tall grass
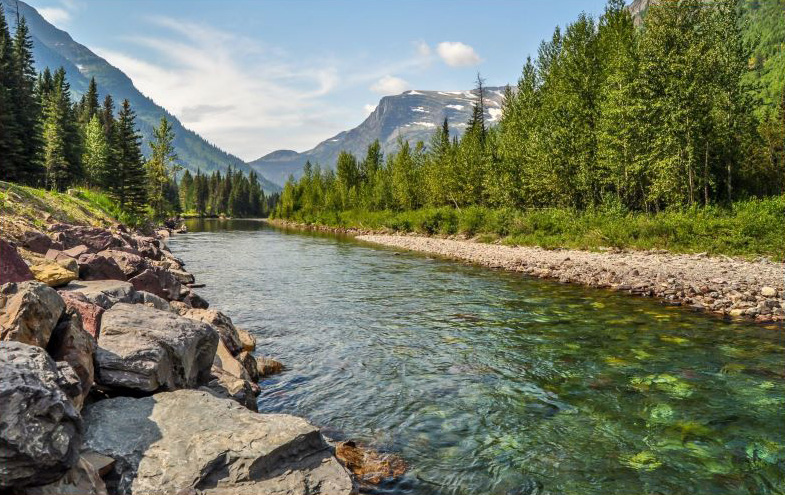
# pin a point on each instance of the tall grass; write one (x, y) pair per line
(749, 228)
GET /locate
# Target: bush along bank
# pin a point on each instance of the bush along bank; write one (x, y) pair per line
(116, 377)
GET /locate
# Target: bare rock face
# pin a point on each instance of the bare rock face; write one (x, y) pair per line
(41, 430)
(97, 267)
(82, 479)
(29, 312)
(105, 293)
(227, 386)
(90, 313)
(131, 264)
(189, 441)
(147, 349)
(72, 344)
(12, 267)
(159, 282)
(220, 322)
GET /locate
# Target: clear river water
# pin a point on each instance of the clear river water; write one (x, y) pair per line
(489, 382)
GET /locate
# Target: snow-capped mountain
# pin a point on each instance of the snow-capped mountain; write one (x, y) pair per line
(413, 115)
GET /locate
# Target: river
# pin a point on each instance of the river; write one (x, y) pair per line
(490, 382)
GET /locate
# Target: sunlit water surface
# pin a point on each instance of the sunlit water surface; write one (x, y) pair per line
(493, 383)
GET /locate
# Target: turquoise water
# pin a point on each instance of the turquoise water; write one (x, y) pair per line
(488, 382)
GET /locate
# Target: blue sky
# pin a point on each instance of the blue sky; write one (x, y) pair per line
(255, 76)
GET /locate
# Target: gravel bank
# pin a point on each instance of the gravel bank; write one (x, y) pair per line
(721, 285)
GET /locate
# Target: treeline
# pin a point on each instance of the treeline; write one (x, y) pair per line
(48, 140)
(231, 194)
(607, 115)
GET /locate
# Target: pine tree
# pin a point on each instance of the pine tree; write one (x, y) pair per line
(186, 191)
(95, 159)
(128, 182)
(9, 134)
(27, 110)
(89, 105)
(160, 168)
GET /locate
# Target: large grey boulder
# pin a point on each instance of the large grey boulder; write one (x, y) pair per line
(222, 323)
(189, 441)
(29, 312)
(40, 430)
(105, 293)
(147, 349)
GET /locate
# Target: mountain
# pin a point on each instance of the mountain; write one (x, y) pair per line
(54, 48)
(413, 115)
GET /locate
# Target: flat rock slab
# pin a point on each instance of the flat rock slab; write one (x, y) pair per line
(147, 349)
(192, 442)
(105, 293)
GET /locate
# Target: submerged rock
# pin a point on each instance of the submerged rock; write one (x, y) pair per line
(41, 430)
(29, 312)
(189, 441)
(369, 465)
(268, 366)
(147, 349)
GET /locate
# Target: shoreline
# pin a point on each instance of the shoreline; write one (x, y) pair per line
(723, 286)
(719, 285)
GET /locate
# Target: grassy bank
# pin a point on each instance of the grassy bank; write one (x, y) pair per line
(751, 228)
(25, 208)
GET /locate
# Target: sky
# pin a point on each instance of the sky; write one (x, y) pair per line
(255, 76)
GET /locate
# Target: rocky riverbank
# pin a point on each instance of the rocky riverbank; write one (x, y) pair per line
(721, 285)
(116, 377)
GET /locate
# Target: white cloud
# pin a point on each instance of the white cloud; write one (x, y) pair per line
(423, 49)
(457, 54)
(389, 85)
(369, 108)
(55, 15)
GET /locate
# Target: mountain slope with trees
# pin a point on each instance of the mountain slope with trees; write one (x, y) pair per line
(54, 48)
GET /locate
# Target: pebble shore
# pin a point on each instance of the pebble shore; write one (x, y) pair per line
(726, 286)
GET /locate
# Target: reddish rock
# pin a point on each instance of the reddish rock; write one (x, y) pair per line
(12, 267)
(157, 281)
(71, 343)
(90, 313)
(97, 267)
(95, 238)
(130, 263)
(77, 251)
(36, 242)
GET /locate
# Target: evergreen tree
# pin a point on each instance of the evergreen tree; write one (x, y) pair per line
(89, 105)
(9, 134)
(128, 182)
(160, 168)
(26, 109)
(95, 159)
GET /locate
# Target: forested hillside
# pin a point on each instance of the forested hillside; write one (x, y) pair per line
(607, 115)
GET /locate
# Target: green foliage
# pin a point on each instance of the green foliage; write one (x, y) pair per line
(608, 126)
(161, 170)
(233, 194)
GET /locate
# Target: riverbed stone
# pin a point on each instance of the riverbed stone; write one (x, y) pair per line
(53, 274)
(157, 281)
(768, 292)
(105, 293)
(182, 276)
(368, 465)
(41, 430)
(29, 312)
(89, 313)
(189, 441)
(12, 267)
(97, 267)
(147, 349)
(72, 344)
(247, 340)
(268, 366)
(222, 323)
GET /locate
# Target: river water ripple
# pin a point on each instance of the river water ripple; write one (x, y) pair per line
(492, 383)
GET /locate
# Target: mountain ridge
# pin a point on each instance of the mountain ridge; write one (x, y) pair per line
(413, 115)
